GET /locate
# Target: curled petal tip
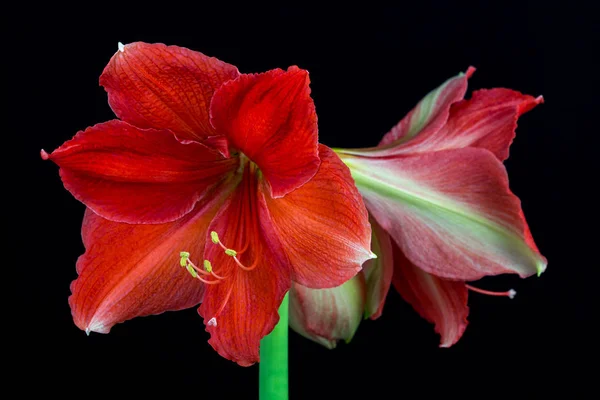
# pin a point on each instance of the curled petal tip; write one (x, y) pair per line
(539, 100)
(87, 331)
(44, 155)
(512, 293)
(470, 71)
(373, 255)
(121, 47)
(541, 268)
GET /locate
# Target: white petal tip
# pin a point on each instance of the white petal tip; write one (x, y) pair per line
(121, 47)
(373, 255)
(87, 331)
(212, 322)
(512, 293)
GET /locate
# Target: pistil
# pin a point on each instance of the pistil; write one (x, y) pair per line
(509, 293)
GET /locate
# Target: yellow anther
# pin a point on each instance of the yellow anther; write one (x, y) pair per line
(214, 236)
(231, 252)
(207, 266)
(183, 261)
(192, 271)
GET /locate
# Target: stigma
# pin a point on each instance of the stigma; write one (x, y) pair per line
(509, 293)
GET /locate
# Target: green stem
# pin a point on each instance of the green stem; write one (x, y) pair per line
(273, 366)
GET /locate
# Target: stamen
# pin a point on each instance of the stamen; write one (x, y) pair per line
(195, 271)
(192, 271)
(242, 266)
(208, 268)
(509, 293)
(232, 253)
(184, 258)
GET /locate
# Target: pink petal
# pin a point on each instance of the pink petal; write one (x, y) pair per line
(451, 212)
(431, 113)
(439, 301)
(487, 120)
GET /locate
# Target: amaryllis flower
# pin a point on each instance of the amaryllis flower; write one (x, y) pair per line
(437, 186)
(216, 171)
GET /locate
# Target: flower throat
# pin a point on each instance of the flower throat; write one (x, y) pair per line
(248, 217)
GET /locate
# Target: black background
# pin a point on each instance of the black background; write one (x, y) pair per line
(368, 67)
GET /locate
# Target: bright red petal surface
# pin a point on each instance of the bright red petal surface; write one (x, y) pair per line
(133, 270)
(323, 226)
(439, 301)
(242, 309)
(165, 87)
(271, 118)
(126, 174)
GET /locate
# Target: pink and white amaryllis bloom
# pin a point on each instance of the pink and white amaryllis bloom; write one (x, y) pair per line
(441, 209)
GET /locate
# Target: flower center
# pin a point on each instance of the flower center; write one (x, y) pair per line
(244, 203)
(509, 293)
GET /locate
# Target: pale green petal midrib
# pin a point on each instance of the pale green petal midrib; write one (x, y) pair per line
(381, 187)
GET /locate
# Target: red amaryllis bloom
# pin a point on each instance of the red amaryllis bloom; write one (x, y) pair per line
(220, 172)
(436, 184)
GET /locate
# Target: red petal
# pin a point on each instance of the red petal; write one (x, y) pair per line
(271, 118)
(218, 143)
(439, 301)
(133, 270)
(488, 120)
(126, 174)
(328, 315)
(242, 309)
(431, 113)
(165, 87)
(451, 212)
(378, 271)
(323, 226)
